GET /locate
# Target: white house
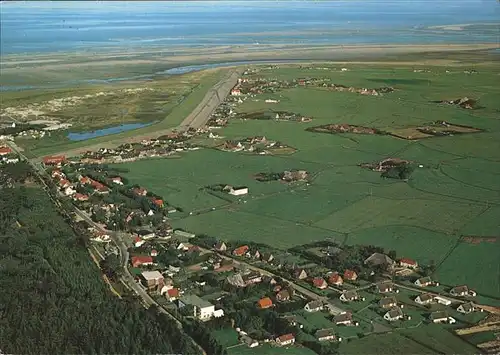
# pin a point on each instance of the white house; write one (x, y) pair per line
(441, 317)
(68, 191)
(203, 310)
(442, 300)
(313, 306)
(466, 308)
(285, 339)
(424, 298)
(394, 314)
(238, 191)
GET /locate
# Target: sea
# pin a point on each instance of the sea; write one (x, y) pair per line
(78, 26)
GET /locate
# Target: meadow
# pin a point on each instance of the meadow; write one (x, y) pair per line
(455, 192)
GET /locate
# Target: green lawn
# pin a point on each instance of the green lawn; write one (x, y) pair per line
(267, 349)
(481, 270)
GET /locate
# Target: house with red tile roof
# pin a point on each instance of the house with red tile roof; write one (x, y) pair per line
(63, 183)
(157, 202)
(138, 241)
(264, 303)
(172, 294)
(84, 180)
(154, 252)
(54, 160)
(350, 275)
(285, 339)
(335, 279)
(241, 251)
(320, 283)
(5, 150)
(80, 197)
(141, 261)
(408, 263)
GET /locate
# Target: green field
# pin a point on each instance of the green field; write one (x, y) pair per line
(455, 192)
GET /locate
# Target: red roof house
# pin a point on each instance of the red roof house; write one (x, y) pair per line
(54, 160)
(320, 283)
(335, 279)
(265, 303)
(85, 180)
(409, 263)
(5, 150)
(285, 339)
(350, 275)
(157, 202)
(154, 252)
(64, 183)
(240, 251)
(141, 260)
(173, 294)
(80, 197)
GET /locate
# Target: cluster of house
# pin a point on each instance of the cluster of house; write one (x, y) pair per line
(259, 144)
(262, 85)
(7, 156)
(159, 147)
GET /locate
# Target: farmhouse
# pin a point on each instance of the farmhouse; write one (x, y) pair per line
(335, 279)
(117, 180)
(378, 259)
(350, 275)
(424, 298)
(313, 306)
(325, 335)
(441, 317)
(265, 303)
(408, 263)
(394, 314)
(349, 296)
(286, 339)
(320, 283)
(462, 291)
(344, 318)
(466, 308)
(236, 191)
(138, 242)
(388, 302)
(235, 92)
(424, 282)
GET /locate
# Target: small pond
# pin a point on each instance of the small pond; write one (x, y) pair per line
(81, 136)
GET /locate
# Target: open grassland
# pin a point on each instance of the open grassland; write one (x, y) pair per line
(454, 193)
(482, 267)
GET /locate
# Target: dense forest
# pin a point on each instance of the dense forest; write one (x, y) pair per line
(53, 300)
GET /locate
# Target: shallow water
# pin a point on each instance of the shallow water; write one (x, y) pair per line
(81, 136)
(29, 27)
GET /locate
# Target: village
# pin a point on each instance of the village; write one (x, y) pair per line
(311, 295)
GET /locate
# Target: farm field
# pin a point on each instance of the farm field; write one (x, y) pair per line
(454, 193)
(481, 259)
